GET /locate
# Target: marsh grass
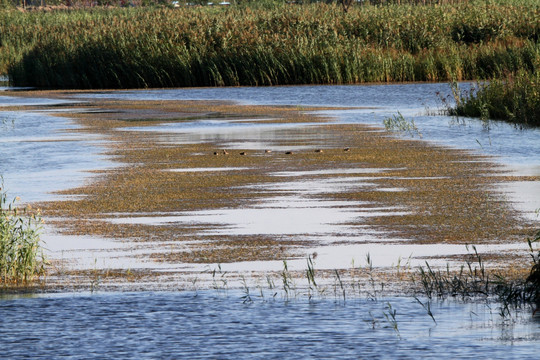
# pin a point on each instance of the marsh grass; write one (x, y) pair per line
(514, 98)
(390, 315)
(285, 44)
(21, 256)
(473, 280)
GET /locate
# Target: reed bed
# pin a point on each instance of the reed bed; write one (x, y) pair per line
(281, 44)
(514, 98)
(21, 259)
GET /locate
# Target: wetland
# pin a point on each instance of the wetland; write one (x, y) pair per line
(229, 193)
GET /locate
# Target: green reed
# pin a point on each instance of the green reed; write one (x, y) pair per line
(21, 257)
(473, 281)
(514, 98)
(283, 44)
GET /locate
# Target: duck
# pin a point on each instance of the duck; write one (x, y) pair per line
(243, 153)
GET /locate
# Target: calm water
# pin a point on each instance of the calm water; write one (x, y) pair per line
(39, 154)
(511, 145)
(207, 325)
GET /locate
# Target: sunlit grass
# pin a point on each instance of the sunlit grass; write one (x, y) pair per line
(21, 258)
(286, 44)
(514, 98)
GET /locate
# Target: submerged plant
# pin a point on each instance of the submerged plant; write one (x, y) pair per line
(341, 285)
(219, 280)
(427, 307)
(390, 315)
(400, 124)
(288, 281)
(246, 298)
(21, 257)
(310, 274)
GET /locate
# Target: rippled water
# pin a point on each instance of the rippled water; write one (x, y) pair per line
(206, 325)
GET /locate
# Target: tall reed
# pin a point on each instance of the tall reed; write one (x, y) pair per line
(514, 98)
(284, 44)
(21, 258)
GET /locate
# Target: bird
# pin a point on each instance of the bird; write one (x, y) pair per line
(243, 153)
(267, 151)
(318, 151)
(347, 149)
(289, 153)
(225, 152)
(216, 153)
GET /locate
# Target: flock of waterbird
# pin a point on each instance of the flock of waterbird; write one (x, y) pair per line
(244, 153)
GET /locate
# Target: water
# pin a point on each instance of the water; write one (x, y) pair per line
(509, 144)
(203, 325)
(40, 154)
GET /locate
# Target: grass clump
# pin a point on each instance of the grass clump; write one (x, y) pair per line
(533, 280)
(21, 258)
(514, 98)
(400, 124)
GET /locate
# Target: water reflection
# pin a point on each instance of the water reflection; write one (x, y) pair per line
(421, 102)
(40, 155)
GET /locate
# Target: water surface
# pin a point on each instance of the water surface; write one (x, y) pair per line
(40, 154)
(509, 144)
(211, 325)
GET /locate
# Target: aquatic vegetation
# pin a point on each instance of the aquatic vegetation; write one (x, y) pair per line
(473, 280)
(400, 124)
(446, 192)
(533, 280)
(282, 44)
(514, 98)
(390, 315)
(21, 258)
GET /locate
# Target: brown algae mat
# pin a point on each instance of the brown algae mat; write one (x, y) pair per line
(439, 195)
